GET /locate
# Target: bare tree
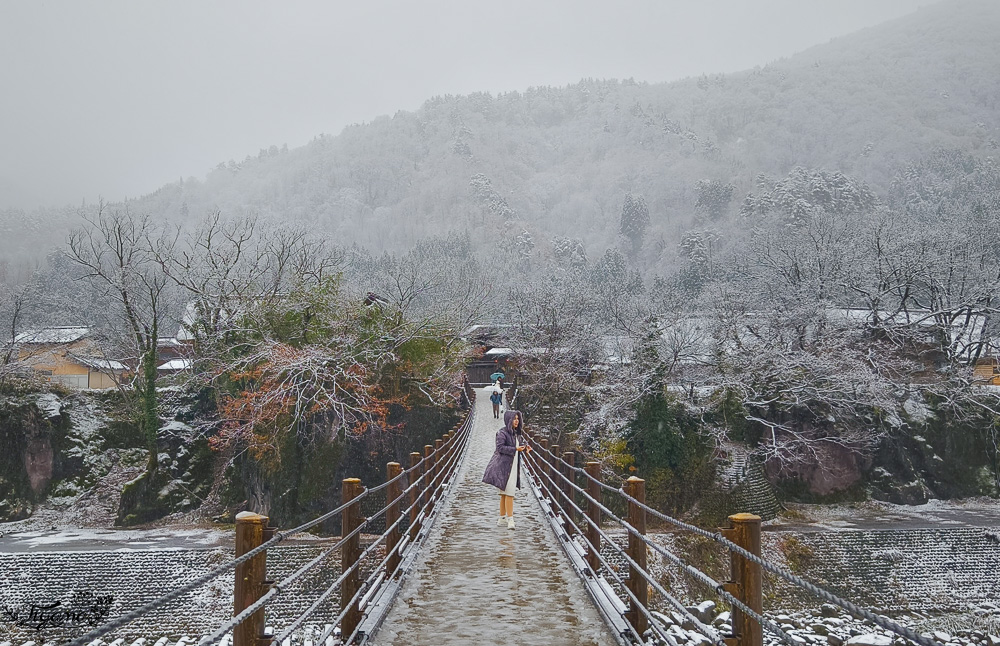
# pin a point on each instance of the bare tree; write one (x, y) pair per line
(228, 268)
(118, 252)
(14, 305)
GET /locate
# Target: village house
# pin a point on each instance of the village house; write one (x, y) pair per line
(172, 355)
(68, 356)
(986, 371)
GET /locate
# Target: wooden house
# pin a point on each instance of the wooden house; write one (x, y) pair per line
(986, 371)
(68, 356)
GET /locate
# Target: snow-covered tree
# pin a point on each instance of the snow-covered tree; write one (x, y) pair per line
(634, 221)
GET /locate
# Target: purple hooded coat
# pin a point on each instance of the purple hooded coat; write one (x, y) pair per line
(498, 470)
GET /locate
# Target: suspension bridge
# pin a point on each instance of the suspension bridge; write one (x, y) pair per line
(422, 561)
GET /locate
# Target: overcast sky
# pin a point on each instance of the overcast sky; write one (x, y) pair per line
(118, 97)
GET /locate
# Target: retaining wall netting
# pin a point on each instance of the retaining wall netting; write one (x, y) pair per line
(134, 578)
(924, 570)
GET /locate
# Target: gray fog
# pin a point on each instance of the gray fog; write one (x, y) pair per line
(117, 98)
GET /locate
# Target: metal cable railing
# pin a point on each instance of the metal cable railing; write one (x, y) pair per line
(695, 573)
(709, 632)
(570, 490)
(434, 469)
(277, 588)
(448, 469)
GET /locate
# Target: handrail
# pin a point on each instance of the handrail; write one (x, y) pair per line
(710, 633)
(697, 574)
(567, 507)
(446, 456)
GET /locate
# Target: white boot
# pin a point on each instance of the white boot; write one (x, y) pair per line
(501, 520)
(510, 522)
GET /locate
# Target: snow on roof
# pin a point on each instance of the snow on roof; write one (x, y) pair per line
(47, 335)
(175, 364)
(486, 329)
(494, 352)
(966, 330)
(192, 316)
(98, 363)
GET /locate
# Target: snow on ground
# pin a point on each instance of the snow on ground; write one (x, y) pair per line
(49, 403)
(877, 515)
(86, 539)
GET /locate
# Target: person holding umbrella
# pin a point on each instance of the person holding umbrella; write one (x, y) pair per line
(497, 379)
(504, 469)
(496, 398)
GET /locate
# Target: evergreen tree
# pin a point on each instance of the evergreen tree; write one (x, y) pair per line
(714, 196)
(635, 220)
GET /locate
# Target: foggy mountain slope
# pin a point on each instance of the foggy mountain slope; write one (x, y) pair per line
(558, 161)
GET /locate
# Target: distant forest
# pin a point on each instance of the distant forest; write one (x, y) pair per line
(801, 261)
(530, 176)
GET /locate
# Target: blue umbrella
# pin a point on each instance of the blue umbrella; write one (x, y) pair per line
(497, 375)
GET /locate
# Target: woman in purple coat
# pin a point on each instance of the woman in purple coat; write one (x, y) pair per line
(504, 471)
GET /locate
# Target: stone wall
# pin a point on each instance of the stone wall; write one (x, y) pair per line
(928, 571)
(925, 570)
(134, 578)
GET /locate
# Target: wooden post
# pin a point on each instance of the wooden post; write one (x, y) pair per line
(746, 578)
(438, 461)
(428, 476)
(636, 487)
(594, 513)
(545, 461)
(249, 585)
(568, 491)
(415, 475)
(349, 554)
(553, 469)
(393, 491)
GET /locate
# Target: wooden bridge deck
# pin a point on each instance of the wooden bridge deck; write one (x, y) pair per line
(476, 583)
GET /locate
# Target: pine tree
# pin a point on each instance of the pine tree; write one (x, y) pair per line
(635, 220)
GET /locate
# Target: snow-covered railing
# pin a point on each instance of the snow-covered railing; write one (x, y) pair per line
(363, 603)
(556, 476)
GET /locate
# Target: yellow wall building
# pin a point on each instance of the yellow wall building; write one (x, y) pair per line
(68, 356)
(986, 371)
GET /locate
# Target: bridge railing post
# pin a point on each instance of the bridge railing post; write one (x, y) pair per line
(438, 465)
(594, 513)
(350, 552)
(745, 583)
(569, 457)
(636, 488)
(415, 475)
(428, 477)
(250, 578)
(544, 455)
(392, 514)
(554, 467)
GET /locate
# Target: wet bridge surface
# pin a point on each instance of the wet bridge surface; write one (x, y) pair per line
(477, 583)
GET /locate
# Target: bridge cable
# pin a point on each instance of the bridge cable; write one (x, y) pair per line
(654, 623)
(852, 608)
(709, 632)
(364, 587)
(132, 615)
(609, 568)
